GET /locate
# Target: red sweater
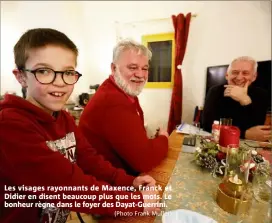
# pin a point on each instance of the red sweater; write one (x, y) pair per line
(114, 125)
(40, 150)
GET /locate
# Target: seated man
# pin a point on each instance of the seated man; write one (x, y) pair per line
(113, 120)
(239, 100)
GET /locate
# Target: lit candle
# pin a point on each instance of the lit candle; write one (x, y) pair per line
(235, 180)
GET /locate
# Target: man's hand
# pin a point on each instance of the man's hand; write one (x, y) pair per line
(238, 93)
(259, 133)
(163, 132)
(152, 198)
(144, 180)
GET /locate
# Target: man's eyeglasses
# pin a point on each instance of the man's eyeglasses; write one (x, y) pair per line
(48, 76)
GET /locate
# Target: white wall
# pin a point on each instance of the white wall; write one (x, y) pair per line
(221, 31)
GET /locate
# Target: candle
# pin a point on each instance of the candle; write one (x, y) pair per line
(235, 180)
(229, 135)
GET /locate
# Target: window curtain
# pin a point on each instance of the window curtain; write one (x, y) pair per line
(181, 25)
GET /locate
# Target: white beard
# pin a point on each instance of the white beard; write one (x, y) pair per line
(122, 83)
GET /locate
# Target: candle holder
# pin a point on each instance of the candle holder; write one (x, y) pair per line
(231, 193)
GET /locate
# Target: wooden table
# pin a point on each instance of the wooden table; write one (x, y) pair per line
(161, 174)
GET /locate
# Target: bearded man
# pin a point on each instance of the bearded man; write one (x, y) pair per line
(113, 120)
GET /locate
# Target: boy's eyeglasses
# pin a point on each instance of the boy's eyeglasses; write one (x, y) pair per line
(48, 76)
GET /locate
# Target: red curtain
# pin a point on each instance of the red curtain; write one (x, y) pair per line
(181, 26)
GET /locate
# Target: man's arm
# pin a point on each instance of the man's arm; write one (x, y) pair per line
(254, 104)
(255, 112)
(258, 107)
(128, 137)
(211, 108)
(94, 164)
(88, 160)
(258, 133)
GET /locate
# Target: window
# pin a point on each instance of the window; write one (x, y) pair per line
(161, 70)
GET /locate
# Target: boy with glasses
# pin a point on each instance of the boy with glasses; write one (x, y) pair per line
(41, 148)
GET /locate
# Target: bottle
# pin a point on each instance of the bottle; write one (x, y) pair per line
(198, 114)
(216, 130)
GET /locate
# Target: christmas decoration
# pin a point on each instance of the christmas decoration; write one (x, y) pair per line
(258, 158)
(209, 157)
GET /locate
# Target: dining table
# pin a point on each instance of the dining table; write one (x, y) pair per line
(188, 186)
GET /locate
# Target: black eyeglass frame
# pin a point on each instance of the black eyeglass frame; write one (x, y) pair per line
(55, 72)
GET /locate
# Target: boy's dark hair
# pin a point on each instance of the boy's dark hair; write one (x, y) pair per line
(40, 37)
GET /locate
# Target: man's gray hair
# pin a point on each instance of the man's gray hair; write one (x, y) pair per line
(244, 58)
(129, 44)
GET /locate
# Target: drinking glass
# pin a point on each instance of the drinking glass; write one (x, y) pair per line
(268, 117)
(268, 121)
(226, 121)
(194, 129)
(262, 183)
(197, 127)
(260, 210)
(237, 163)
